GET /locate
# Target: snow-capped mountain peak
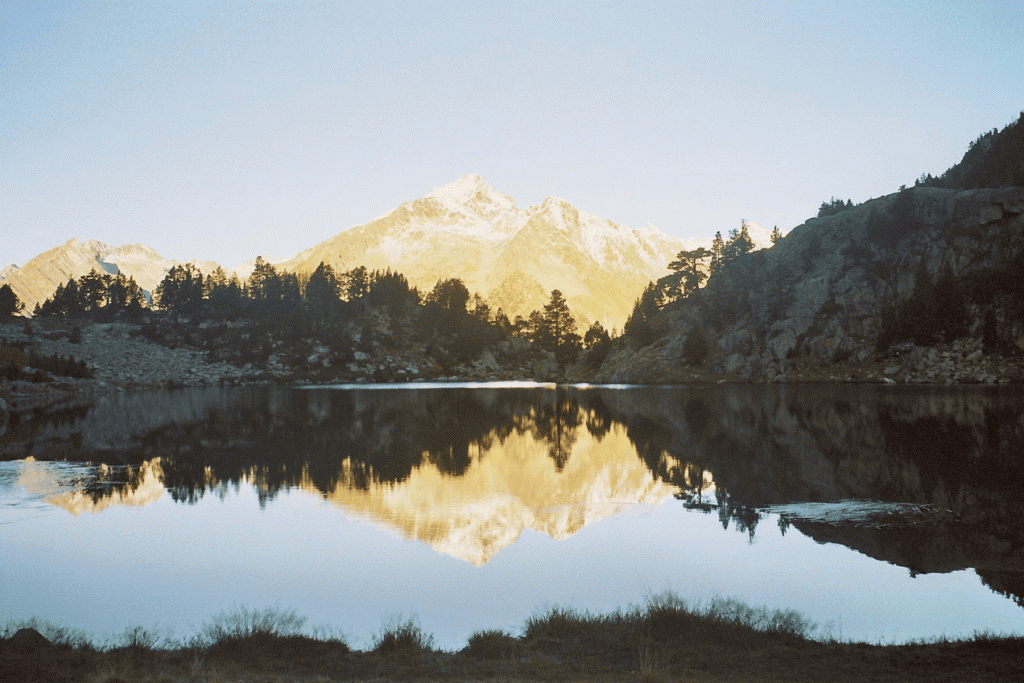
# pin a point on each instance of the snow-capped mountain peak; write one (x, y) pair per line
(513, 257)
(472, 193)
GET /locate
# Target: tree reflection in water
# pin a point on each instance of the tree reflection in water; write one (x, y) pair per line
(731, 450)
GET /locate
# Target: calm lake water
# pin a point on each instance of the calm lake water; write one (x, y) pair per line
(475, 506)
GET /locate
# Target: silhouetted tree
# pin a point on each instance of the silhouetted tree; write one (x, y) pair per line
(502, 323)
(181, 290)
(687, 273)
(356, 283)
(65, 302)
(646, 321)
(739, 243)
(598, 343)
(557, 330)
(10, 304)
(831, 208)
(717, 252)
(93, 290)
(451, 296)
(263, 282)
(323, 291)
(393, 291)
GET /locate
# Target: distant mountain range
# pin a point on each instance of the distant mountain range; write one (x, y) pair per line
(512, 257)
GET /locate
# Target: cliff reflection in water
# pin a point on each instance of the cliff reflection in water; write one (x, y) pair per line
(467, 470)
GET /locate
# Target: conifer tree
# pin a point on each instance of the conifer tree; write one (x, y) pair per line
(93, 291)
(264, 281)
(557, 330)
(9, 302)
(717, 253)
(687, 272)
(598, 343)
(356, 283)
(181, 290)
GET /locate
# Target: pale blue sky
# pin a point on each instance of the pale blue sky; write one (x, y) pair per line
(220, 130)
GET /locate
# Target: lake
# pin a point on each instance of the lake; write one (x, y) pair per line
(882, 513)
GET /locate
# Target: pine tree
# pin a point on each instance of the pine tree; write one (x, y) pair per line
(450, 295)
(688, 273)
(93, 291)
(181, 290)
(323, 291)
(557, 332)
(598, 343)
(263, 281)
(645, 323)
(356, 283)
(739, 243)
(9, 302)
(717, 251)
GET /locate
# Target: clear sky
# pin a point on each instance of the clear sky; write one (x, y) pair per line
(223, 130)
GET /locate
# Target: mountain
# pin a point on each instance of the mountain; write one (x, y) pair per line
(36, 280)
(513, 257)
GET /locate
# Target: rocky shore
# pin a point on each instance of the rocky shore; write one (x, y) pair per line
(958, 362)
(123, 356)
(119, 356)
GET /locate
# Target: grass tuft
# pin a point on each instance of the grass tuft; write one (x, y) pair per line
(243, 623)
(491, 644)
(735, 612)
(403, 638)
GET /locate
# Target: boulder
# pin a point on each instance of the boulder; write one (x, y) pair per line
(733, 363)
(782, 344)
(487, 361)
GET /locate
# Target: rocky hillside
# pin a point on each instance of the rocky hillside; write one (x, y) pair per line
(835, 285)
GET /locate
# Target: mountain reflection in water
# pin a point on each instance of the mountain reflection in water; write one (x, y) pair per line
(467, 470)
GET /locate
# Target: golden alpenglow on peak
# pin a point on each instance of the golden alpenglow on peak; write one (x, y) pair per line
(514, 257)
(518, 483)
(473, 193)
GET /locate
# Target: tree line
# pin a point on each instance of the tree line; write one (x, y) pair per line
(649, 321)
(456, 324)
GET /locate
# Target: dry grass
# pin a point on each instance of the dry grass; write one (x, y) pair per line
(665, 640)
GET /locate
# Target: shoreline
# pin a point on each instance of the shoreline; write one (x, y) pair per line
(121, 357)
(665, 640)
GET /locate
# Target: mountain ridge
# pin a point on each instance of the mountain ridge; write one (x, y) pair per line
(467, 229)
(512, 256)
